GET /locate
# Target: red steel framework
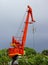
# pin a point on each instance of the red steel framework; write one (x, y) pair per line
(18, 48)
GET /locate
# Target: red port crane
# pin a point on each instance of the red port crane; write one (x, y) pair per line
(18, 48)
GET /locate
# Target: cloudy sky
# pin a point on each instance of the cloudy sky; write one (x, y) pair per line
(11, 15)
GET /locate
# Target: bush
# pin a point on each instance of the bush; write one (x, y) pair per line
(30, 58)
(38, 59)
(4, 58)
(29, 51)
(45, 52)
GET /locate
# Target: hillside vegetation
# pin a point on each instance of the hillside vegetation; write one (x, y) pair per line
(31, 57)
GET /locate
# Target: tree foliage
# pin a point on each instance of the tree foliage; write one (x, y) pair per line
(45, 52)
(29, 51)
(31, 57)
(4, 58)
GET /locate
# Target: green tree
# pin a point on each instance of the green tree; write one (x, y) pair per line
(29, 51)
(45, 52)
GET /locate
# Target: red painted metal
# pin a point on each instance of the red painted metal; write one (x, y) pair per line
(18, 48)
